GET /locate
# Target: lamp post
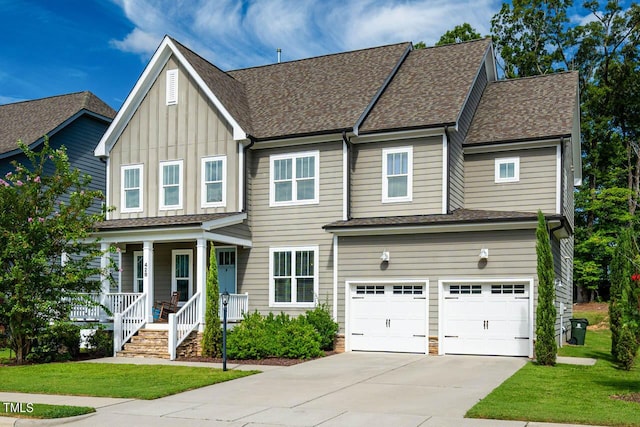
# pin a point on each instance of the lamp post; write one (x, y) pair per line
(225, 301)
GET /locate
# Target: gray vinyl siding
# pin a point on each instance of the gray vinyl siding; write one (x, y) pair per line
(366, 179)
(80, 138)
(126, 276)
(456, 156)
(289, 226)
(535, 190)
(562, 266)
(188, 131)
(434, 257)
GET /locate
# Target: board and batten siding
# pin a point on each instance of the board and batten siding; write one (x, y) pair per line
(435, 256)
(535, 190)
(456, 139)
(367, 175)
(290, 226)
(188, 131)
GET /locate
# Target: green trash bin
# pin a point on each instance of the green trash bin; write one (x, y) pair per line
(578, 331)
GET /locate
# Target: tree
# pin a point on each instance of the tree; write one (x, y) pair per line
(43, 214)
(546, 348)
(460, 33)
(212, 336)
(624, 319)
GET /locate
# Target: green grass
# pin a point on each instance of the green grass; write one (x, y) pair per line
(40, 410)
(5, 355)
(111, 380)
(567, 393)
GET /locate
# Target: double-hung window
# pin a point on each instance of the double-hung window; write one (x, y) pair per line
(213, 189)
(293, 275)
(171, 185)
(131, 192)
(507, 170)
(294, 179)
(397, 174)
(181, 273)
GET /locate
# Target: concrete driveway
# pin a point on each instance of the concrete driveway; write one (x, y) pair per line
(350, 389)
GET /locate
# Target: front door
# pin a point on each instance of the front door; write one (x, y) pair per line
(226, 269)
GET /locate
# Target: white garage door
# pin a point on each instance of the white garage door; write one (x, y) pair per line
(486, 318)
(388, 317)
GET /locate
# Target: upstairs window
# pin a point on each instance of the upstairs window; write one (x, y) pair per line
(131, 191)
(294, 179)
(213, 181)
(171, 185)
(507, 170)
(397, 174)
(172, 87)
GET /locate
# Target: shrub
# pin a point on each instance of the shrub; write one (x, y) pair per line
(320, 318)
(100, 342)
(626, 346)
(546, 348)
(212, 336)
(58, 342)
(259, 337)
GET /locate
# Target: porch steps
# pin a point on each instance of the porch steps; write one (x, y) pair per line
(147, 343)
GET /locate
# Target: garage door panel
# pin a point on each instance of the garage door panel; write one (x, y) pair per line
(486, 318)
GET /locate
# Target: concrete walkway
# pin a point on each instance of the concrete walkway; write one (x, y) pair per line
(350, 389)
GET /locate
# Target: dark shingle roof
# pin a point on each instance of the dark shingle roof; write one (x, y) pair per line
(31, 120)
(161, 221)
(526, 108)
(456, 217)
(430, 88)
(316, 95)
(228, 90)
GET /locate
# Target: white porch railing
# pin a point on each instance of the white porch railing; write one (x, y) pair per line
(182, 323)
(128, 322)
(237, 306)
(93, 308)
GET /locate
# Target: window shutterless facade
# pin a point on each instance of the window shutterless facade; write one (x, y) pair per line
(507, 170)
(397, 174)
(131, 178)
(213, 185)
(293, 276)
(171, 185)
(294, 179)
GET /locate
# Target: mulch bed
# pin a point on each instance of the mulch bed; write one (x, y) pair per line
(631, 397)
(273, 361)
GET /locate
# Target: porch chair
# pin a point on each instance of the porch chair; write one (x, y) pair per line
(162, 309)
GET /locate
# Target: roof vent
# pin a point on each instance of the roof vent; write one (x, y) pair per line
(279, 52)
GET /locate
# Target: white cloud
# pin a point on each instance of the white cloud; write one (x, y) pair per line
(233, 33)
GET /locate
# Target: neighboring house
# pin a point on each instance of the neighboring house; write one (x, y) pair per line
(398, 186)
(76, 120)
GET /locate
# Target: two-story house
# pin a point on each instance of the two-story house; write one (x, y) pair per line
(400, 186)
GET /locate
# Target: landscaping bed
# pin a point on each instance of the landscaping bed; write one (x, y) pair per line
(272, 361)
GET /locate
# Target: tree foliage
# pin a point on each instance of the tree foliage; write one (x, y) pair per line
(212, 335)
(537, 37)
(545, 348)
(460, 33)
(43, 214)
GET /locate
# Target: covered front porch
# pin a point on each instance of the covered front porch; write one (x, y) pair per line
(161, 257)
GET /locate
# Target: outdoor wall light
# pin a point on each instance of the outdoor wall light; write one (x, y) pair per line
(385, 257)
(484, 253)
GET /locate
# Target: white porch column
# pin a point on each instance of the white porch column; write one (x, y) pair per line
(147, 278)
(105, 286)
(201, 275)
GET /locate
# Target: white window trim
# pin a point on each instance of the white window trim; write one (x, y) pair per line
(172, 78)
(163, 206)
(385, 181)
(516, 169)
(135, 286)
(123, 199)
(272, 288)
(174, 279)
(203, 186)
(293, 157)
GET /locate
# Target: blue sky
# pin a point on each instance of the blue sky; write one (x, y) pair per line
(52, 47)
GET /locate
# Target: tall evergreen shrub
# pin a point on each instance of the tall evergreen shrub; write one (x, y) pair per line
(546, 348)
(212, 336)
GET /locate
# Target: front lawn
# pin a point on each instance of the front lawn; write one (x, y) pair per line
(568, 393)
(111, 380)
(39, 410)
